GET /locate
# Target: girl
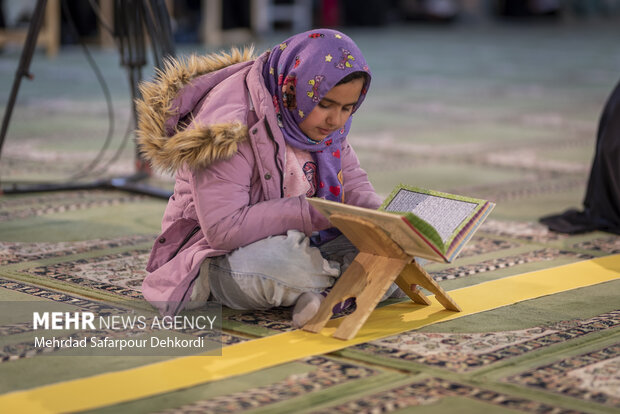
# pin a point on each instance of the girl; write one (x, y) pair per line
(249, 139)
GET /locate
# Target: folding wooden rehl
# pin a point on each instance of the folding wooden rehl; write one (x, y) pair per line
(379, 263)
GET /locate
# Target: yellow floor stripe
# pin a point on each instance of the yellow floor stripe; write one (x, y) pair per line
(115, 387)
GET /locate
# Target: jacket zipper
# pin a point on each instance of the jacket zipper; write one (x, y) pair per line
(268, 128)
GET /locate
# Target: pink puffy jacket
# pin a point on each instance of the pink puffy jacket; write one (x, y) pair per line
(211, 120)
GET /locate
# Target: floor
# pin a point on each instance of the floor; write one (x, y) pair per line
(507, 112)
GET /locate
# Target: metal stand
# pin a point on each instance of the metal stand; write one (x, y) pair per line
(131, 17)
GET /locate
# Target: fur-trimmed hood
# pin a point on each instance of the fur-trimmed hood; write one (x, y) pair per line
(167, 106)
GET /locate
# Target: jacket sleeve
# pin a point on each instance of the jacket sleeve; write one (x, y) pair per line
(228, 220)
(358, 190)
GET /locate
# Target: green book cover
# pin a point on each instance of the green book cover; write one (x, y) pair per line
(446, 220)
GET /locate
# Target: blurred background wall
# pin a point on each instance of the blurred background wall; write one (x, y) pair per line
(220, 22)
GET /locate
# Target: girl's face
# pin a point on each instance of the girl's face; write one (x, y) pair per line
(333, 111)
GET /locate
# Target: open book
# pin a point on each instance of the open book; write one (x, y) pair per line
(424, 223)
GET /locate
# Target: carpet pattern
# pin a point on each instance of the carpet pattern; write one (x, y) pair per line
(59, 203)
(327, 373)
(120, 273)
(471, 351)
(592, 376)
(100, 269)
(87, 274)
(470, 111)
(433, 390)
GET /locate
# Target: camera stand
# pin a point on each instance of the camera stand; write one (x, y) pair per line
(131, 17)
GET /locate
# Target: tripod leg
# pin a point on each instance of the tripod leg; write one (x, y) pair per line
(131, 45)
(132, 16)
(24, 64)
(157, 23)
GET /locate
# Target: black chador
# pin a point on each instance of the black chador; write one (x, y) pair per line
(602, 201)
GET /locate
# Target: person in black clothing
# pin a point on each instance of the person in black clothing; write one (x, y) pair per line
(602, 200)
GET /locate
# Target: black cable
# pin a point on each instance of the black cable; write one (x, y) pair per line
(129, 130)
(132, 54)
(23, 69)
(97, 11)
(160, 34)
(133, 58)
(86, 171)
(153, 33)
(129, 36)
(131, 124)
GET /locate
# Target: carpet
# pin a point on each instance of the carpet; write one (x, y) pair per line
(464, 109)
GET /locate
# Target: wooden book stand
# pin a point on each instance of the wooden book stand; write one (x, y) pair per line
(379, 263)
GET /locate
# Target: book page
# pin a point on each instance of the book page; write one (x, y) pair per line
(444, 214)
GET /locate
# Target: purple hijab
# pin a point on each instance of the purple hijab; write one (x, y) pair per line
(298, 74)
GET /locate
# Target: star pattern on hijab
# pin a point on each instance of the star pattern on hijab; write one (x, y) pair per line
(298, 74)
